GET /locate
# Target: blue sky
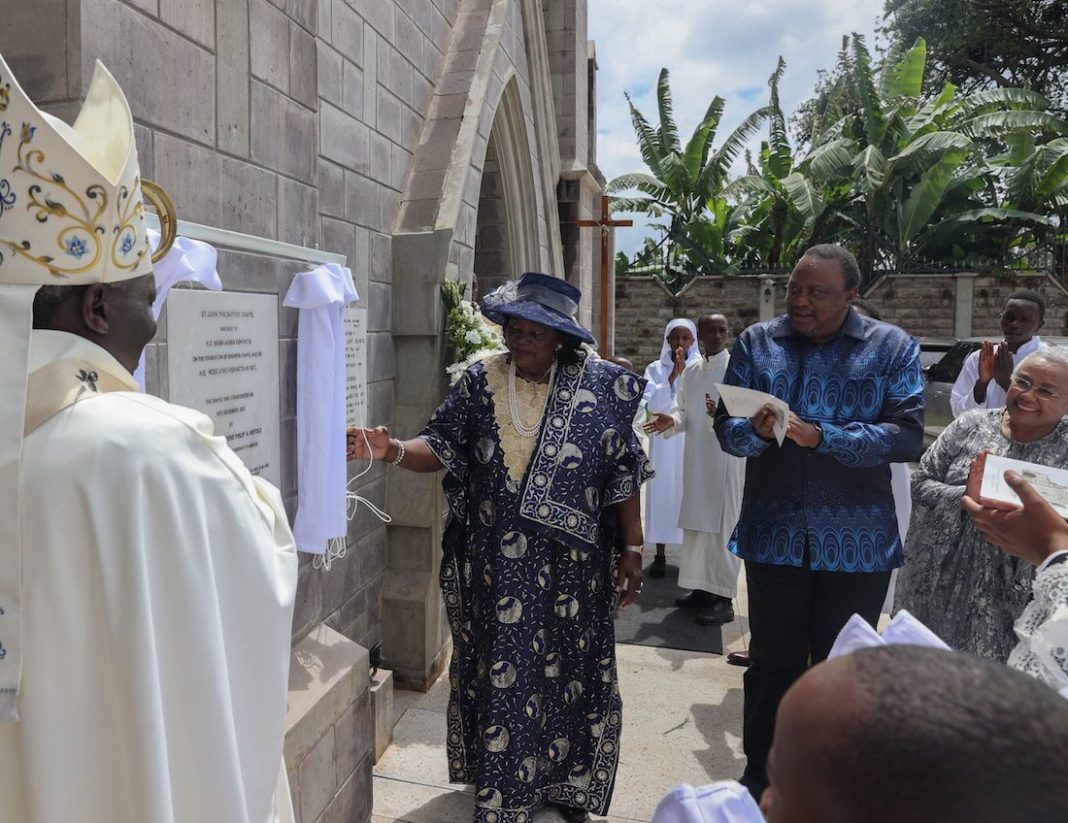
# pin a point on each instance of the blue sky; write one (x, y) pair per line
(710, 47)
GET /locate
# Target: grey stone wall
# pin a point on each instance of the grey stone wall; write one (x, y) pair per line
(644, 307)
(922, 304)
(293, 120)
(289, 120)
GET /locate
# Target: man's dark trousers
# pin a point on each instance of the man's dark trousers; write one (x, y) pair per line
(794, 614)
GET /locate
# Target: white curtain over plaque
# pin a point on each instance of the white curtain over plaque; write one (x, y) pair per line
(321, 296)
(188, 261)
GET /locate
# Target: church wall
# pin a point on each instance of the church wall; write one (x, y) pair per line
(288, 120)
(293, 120)
(306, 121)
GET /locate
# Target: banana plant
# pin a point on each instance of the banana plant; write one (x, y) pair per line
(915, 178)
(684, 181)
(784, 209)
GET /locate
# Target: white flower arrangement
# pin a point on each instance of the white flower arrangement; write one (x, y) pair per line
(466, 331)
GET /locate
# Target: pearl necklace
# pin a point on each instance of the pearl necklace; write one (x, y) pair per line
(522, 429)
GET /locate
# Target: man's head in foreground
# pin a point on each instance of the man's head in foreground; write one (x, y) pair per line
(116, 316)
(904, 733)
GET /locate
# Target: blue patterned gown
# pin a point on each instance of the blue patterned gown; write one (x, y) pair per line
(534, 711)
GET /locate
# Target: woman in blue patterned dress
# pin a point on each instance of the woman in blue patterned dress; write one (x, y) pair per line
(543, 471)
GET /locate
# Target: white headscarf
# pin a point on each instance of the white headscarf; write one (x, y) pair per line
(667, 356)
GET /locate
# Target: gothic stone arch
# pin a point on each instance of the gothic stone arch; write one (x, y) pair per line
(495, 85)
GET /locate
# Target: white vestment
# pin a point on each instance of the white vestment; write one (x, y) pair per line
(712, 483)
(962, 398)
(158, 583)
(663, 493)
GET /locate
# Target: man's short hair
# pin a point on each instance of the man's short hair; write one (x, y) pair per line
(48, 300)
(1032, 296)
(946, 736)
(845, 258)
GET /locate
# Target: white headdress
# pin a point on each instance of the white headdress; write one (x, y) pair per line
(71, 213)
(667, 356)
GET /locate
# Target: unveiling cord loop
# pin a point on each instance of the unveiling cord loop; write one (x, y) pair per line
(337, 548)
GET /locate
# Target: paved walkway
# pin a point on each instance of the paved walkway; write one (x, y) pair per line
(682, 721)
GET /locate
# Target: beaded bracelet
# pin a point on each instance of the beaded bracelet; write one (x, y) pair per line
(400, 454)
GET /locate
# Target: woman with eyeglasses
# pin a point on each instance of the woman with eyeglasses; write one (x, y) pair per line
(962, 586)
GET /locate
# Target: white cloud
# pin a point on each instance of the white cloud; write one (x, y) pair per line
(710, 47)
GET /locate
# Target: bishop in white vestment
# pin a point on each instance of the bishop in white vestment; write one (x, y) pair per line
(146, 578)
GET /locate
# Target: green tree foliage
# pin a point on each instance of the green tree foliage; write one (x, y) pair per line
(781, 206)
(915, 178)
(979, 44)
(902, 177)
(685, 184)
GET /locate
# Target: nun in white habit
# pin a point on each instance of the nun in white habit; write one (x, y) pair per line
(663, 493)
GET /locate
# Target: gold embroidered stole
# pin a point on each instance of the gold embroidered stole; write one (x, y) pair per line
(61, 384)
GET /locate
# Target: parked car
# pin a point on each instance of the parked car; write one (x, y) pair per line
(932, 349)
(942, 375)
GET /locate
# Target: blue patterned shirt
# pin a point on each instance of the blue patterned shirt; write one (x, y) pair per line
(864, 387)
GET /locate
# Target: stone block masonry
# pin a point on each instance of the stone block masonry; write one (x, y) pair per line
(925, 305)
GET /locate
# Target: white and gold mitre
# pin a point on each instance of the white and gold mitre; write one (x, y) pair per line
(71, 202)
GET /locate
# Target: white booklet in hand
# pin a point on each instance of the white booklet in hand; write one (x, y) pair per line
(742, 402)
(1051, 483)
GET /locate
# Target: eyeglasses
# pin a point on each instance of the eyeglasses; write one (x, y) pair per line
(513, 332)
(1025, 385)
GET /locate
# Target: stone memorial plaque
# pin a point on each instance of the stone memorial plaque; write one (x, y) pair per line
(356, 367)
(222, 359)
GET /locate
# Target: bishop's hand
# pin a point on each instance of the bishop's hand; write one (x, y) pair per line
(367, 444)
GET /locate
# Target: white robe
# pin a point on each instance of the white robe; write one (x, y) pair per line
(663, 493)
(158, 583)
(712, 483)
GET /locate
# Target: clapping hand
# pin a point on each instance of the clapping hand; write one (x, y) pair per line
(986, 362)
(1003, 365)
(367, 444)
(995, 364)
(679, 359)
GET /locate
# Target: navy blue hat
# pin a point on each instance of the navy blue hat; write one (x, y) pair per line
(539, 298)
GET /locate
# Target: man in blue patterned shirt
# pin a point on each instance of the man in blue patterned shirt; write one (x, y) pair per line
(817, 532)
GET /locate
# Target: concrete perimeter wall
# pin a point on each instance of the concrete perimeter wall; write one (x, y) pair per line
(953, 305)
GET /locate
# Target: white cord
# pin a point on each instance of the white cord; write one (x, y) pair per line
(336, 548)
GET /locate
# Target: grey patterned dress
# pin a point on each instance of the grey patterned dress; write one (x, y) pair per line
(966, 589)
